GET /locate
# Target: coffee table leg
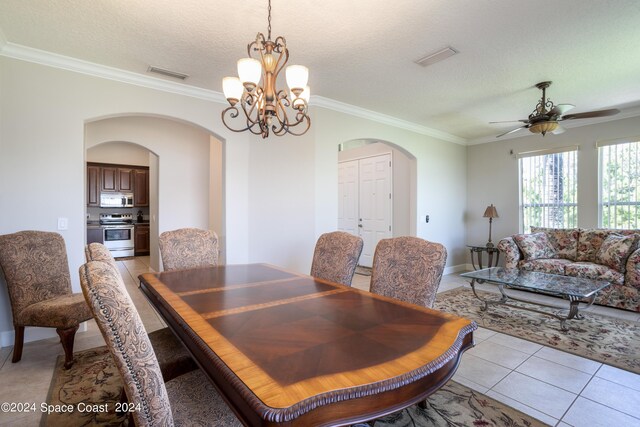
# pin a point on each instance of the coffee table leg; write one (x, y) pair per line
(486, 302)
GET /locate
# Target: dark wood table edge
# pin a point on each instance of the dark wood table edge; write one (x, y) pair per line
(252, 411)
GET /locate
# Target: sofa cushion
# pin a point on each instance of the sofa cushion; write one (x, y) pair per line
(534, 246)
(589, 242)
(589, 270)
(615, 251)
(564, 241)
(551, 266)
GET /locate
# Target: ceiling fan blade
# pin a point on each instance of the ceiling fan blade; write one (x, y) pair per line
(560, 109)
(511, 131)
(558, 130)
(512, 121)
(590, 114)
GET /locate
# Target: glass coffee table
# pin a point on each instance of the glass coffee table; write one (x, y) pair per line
(574, 289)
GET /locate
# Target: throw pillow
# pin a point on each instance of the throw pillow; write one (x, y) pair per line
(534, 246)
(564, 241)
(615, 250)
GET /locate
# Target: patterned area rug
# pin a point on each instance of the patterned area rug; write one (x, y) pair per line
(600, 338)
(94, 380)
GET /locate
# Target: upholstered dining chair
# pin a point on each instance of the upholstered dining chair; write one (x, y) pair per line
(408, 269)
(173, 357)
(188, 248)
(336, 256)
(36, 270)
(186, 400)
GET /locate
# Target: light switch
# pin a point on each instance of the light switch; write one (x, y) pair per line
(63, 223)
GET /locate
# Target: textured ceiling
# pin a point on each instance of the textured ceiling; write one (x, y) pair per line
(361, 52)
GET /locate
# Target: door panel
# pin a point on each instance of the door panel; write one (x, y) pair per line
(375, 203)
(348, 197)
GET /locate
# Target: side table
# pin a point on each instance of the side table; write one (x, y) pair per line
(477, 259)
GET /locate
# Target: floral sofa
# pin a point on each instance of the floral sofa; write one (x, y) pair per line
(606, 254)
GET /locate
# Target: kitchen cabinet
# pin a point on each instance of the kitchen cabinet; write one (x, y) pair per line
(95, 235)
(141, 239)
(93, 186)
(141, 187)
(116, 179)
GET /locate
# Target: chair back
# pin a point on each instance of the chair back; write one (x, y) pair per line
(408, 269)
(188, 248)
(35, 267)
(99, 252)
(128, 342)
(336, 257)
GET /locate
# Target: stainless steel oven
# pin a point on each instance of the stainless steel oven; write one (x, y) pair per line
(118, 234)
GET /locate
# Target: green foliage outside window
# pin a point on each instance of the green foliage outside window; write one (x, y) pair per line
(620, 179)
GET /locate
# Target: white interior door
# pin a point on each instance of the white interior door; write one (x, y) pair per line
(365, 201)
(375, 204)
(348, 182)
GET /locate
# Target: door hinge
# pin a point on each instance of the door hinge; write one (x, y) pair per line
(389, 228)
(389, 163)
(389, 196)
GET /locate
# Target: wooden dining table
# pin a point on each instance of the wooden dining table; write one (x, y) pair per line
(288, 349)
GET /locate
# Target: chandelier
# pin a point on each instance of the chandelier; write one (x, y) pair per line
(261, 106)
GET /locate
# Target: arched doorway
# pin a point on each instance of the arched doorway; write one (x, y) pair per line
(185, 170)
(376, 191)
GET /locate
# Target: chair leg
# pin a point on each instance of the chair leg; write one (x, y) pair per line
(17, 346)
(67, 336)
(422, 404)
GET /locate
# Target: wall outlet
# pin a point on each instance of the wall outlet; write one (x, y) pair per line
(63, 223)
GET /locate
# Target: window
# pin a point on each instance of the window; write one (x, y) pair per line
(619, 181)
(549, 188)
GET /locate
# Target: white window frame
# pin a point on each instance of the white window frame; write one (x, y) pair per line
(631, 163)
(573, 182)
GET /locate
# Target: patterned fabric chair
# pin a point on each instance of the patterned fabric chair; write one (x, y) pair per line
(336, 257)
(408, 269)
(187, 400)
(188, 248)
(173, 357)
(37, 274)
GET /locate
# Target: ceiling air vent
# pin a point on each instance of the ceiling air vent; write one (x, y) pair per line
(436, 56)
(167, 73)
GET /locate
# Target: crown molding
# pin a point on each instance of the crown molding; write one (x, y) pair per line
(38, 56)
(320, 101)
(25, 53)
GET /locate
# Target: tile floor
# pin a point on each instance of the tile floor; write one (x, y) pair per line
(555, 387)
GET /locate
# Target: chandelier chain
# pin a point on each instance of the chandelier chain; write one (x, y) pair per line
(269, 19)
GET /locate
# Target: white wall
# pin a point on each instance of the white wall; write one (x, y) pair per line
(280, 194)
(493, 176)
(119, 153)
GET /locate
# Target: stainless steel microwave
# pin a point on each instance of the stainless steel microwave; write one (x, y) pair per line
(116, 200)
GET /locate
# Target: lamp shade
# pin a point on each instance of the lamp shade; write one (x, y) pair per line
(490, 212)
(249, 71)
(232, 88)
(297, 100)
(297, 76)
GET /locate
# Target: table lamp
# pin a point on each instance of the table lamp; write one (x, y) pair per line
(490, 213)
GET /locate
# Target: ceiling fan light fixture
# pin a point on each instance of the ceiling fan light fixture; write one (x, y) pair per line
(543, 127)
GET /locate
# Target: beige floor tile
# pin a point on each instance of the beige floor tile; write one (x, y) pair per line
(481, 371)
(614, 396)
(569, 360)
(468, 383)
(548, 399)
(482, 334)
(499, 354)
(586, 413)
(515, 343)
(552, 373)
(21, 419)
(540, 416)
(5, 355)
(619, 376)
(361, 282)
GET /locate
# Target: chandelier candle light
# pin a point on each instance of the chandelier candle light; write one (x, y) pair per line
(490, 213)
(265, 108)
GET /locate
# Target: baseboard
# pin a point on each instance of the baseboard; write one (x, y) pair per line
(7, 338)
(457, 268)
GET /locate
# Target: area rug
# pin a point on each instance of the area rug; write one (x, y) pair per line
(603, 339)
(94, 380)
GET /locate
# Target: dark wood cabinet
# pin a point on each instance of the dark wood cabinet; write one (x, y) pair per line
(141, 239)
(125, 180)
(141, 187)
(109, 179)
(95, 235)
(93, 186)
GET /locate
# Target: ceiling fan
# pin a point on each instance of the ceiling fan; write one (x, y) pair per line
(545, 116)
